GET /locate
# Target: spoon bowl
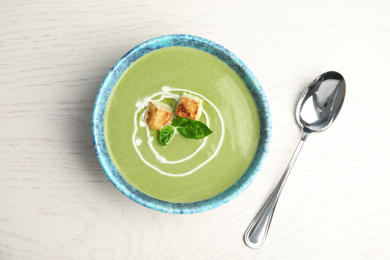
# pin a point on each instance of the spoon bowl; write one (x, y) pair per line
(321, 102)
(316, 110)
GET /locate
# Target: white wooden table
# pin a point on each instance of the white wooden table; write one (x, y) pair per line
(57, 203)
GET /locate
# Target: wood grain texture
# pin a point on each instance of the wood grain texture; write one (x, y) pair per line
(56, 202)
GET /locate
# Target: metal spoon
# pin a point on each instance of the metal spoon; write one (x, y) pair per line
(316, 110)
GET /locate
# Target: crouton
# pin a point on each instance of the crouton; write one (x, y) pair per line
(190, 107)
(158, 115)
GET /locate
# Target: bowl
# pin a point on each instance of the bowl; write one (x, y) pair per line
(233, 62)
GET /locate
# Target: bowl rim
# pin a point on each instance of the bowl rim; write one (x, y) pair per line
(232, 61)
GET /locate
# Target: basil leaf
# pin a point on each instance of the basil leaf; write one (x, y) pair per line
(195, 130)
(166, 134)
(180, 121)
(184, 133)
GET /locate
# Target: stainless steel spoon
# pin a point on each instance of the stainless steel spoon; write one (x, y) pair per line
(316, 110)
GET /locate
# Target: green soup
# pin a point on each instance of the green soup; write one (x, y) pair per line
(185, 170)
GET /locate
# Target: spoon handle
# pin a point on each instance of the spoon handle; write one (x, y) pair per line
(257, 231)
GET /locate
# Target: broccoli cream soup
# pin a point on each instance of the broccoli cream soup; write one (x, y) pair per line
(185, 170)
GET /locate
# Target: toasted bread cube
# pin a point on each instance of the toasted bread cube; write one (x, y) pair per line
(158, 115)
(190, 107)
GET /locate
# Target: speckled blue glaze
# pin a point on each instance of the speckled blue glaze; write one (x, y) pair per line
(237, 65)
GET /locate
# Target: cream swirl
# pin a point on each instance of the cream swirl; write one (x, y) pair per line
(139, 120)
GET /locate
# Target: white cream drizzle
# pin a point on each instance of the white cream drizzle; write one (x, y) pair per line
(165, 93)
(138, 142)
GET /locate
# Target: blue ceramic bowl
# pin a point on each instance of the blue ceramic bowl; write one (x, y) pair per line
(230, 59)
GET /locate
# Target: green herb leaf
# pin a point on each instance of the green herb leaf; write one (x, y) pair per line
(195, 130)
(180, 121)
(166, 134)
(184, 133)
